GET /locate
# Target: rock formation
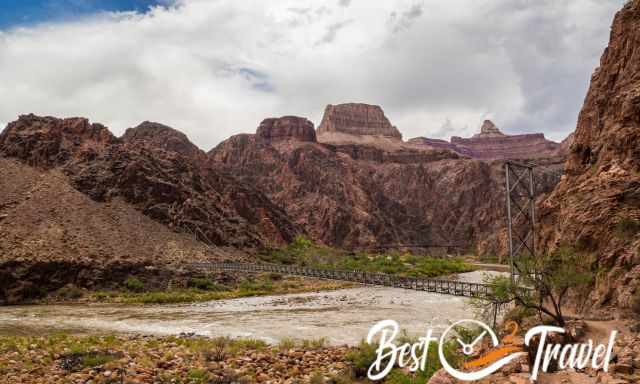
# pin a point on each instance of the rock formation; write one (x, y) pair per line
(161, 136)
(492, 144)
(596, 207)
(287, 127)
(47, 141)
(156, 170)
(355, 195)
(488, 129)
(344, 122)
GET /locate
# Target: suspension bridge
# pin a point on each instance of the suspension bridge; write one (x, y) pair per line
(446, 287)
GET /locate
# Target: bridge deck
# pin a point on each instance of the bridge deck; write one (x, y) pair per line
(446, 287)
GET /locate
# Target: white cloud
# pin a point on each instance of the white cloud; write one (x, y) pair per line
(216, 68)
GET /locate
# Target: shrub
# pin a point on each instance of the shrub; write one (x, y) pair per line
(70, 292)
(134, 285)
(315, 343)
(205, 284)
(218, 351)
(361, 358)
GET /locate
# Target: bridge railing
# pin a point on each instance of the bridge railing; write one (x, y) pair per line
(447, 287)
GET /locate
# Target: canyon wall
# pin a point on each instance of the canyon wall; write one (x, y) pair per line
(355, 195)
(596, 206)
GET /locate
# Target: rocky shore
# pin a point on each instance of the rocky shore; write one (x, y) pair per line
(185, 359)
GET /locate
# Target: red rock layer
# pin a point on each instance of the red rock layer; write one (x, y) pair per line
(354, 195)
(526, 146)
(596, 207)
(357, 119)
(491, 144)
(287, 127)
(156, 170)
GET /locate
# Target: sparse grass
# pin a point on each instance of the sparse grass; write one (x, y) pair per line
(304, 252)
(363, 356)
(318, 343)
(183, 360)
(492, 259)
(202, 289)
(286, 344)
(197, 376)
(97, 359)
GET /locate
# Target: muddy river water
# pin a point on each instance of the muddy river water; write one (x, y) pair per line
(342, 316)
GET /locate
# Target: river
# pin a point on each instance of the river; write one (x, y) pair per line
(343, 316)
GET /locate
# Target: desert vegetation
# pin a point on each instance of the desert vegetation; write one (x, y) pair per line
(305, 252)
(545, 281)
(196, 289)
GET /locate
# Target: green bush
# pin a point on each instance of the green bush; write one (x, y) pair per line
(197, 376)
(361, 358)
(134, 285)
(304, 252)
(70, 292)
(205, 284)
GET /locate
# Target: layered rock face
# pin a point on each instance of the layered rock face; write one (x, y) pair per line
(357, 196)
(287, 127)
(596, 207)
(156, 170)
(492, 144)
(356, 120)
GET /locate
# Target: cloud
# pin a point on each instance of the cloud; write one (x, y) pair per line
(217, 68)
(332, 32)
(404, 20)
(344, 3)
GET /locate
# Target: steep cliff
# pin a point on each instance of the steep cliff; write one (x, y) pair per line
(287, 128)
(356, 122)
(357, 195)
(596, 206)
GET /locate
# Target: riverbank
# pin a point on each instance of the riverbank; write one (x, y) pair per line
(144, 359)
(304, 252)
(221, 286)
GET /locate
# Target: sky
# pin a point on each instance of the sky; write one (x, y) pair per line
(215, 68)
